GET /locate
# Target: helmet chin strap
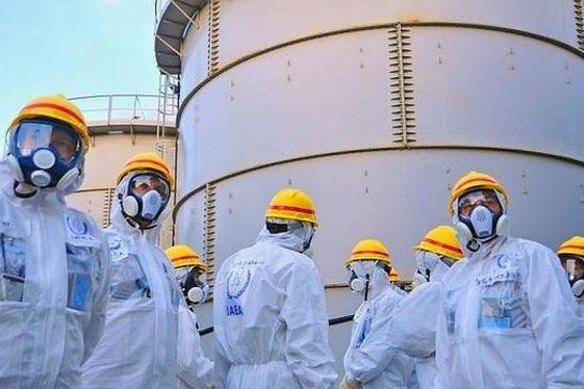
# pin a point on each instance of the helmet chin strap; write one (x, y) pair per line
(367, 281)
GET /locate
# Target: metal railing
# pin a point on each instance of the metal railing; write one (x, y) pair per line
(332, 322)
(120, 108)
(159, 6)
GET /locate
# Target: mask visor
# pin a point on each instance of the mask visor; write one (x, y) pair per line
(32, 135)
(143, 183)
(487, 198)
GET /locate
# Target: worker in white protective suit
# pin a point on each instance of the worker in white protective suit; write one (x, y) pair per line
(139, 345)
(368, 364)
(270, 321)
(195, 371)
(435, 254)
(508, 318)
(571, 253)
(54, 259)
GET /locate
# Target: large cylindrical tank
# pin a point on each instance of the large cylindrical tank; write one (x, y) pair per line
(375, 108)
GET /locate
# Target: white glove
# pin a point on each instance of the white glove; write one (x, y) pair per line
(349, 384)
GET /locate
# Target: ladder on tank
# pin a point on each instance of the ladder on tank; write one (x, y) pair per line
(168, 99)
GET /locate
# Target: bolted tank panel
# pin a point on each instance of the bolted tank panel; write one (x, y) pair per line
(247, 27)
(490, 88)
(285, 104)
(469, 87)
(194, 63)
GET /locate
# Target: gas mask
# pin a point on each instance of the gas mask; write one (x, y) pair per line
(574, 267)
(193, 283)
(146, 197)
(480, 216)
(356, 283)
(430, 267)
(45, 153)
(365, 276)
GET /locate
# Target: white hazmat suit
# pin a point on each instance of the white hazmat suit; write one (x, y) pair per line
(195, 371)
(51, 321)
(368, 360)
(270, 318)
(429, 265)
(504, 320)
(508, 320)
(139, 345)
(580, 302)
(412, 329)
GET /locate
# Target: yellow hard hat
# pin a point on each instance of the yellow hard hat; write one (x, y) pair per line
(474, 181)
(574, 246)
(441, 240)
(393, 275)
(369, 250)
(182, 255)
(292, 204)
(59, 108)
(146, 161)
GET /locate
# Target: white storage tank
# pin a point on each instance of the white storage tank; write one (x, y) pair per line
(375, 108)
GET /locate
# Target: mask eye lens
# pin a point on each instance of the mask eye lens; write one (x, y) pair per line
(573, 265)
(32, 135)
(143, 183)
(491, 201)
(486, 198)
(464, 208)
(65, 142)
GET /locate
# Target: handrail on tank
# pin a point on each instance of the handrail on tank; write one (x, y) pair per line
(159, 6)
(119, 107)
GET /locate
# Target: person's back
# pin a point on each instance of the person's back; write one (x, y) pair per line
(54, 258)
(270, 319)
(138, 348)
